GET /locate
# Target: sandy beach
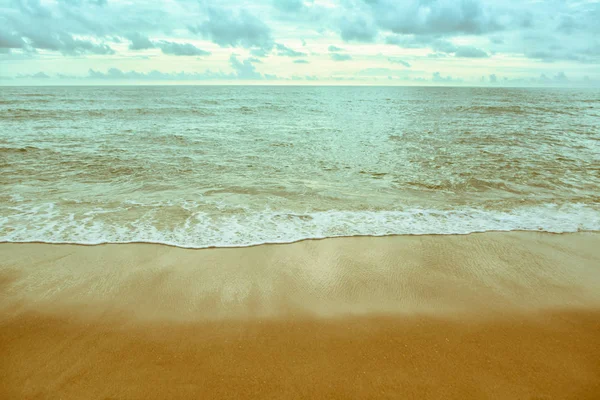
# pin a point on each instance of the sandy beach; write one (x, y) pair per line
(492, 315)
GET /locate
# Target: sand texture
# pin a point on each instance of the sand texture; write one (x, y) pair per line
(483, 316)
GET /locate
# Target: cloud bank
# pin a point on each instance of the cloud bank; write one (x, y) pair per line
(469, 38)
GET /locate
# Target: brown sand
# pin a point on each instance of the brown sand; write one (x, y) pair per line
(493, 316)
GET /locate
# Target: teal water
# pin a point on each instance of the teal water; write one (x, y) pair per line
(232, 165)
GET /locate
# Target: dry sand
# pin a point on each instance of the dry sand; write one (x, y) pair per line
(493, 316)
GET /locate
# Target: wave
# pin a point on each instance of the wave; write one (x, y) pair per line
(66, 113)
(518, 110)
(18, 150)
(201, 230)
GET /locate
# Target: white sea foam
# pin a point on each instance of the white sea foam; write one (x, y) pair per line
(202, 230)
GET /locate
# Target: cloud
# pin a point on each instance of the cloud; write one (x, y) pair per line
(79, 3)
(357, 28)
(340, 57)
(288, 5)
(437, 55)
(65, 76)
(421, 41)
(378, 72)
(283, 50)
(180, 49)
(470, 52)
(9, 40)
(497, 40)
(235, 29)
(117, 74)
(442, 46)
(33, 8)
(139, 42)
(39, 75)
(436, 44)
(301, 62)
(561, 77)
(437, 17)
(244, 69)
(67, 44)
(551, 50)
(259, 52)
(51, 26)
(437, 77)
(493, 78)
(399, 61)
(456, 31)
(31, 37)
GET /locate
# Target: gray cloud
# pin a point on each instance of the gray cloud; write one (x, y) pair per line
(117, 74)
(340, 57)
(437, 55)
(65, 76)
(10, 40)
(29, 25)
(283, 50)
(561, 77)
(235, 29)
(551, 50)
(443, 46)
(357, 28)
(244, 69)
(180, 49)
(437, 44)
(33, 8)
(67, 44)
(437, 77)
(79, 3)
(399, 61)
(434, 17)
(288, 5)
(497, 40)
(39, 75)
(333, 48)
(139, 42)
(470, 52)
(301, 62)
(259, 52)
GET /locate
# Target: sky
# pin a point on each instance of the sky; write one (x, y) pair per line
(404, 42)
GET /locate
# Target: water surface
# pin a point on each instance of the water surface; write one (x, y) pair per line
(202, 166)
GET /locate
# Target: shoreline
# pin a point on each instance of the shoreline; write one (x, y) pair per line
(243, 246)
(483, 315)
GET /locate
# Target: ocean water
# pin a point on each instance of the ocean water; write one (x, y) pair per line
(199, 166)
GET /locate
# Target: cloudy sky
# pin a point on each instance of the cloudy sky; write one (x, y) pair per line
(468, 42)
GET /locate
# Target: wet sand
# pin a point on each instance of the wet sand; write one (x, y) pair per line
(494, 315)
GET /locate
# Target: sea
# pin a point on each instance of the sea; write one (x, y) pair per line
(216, 166)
